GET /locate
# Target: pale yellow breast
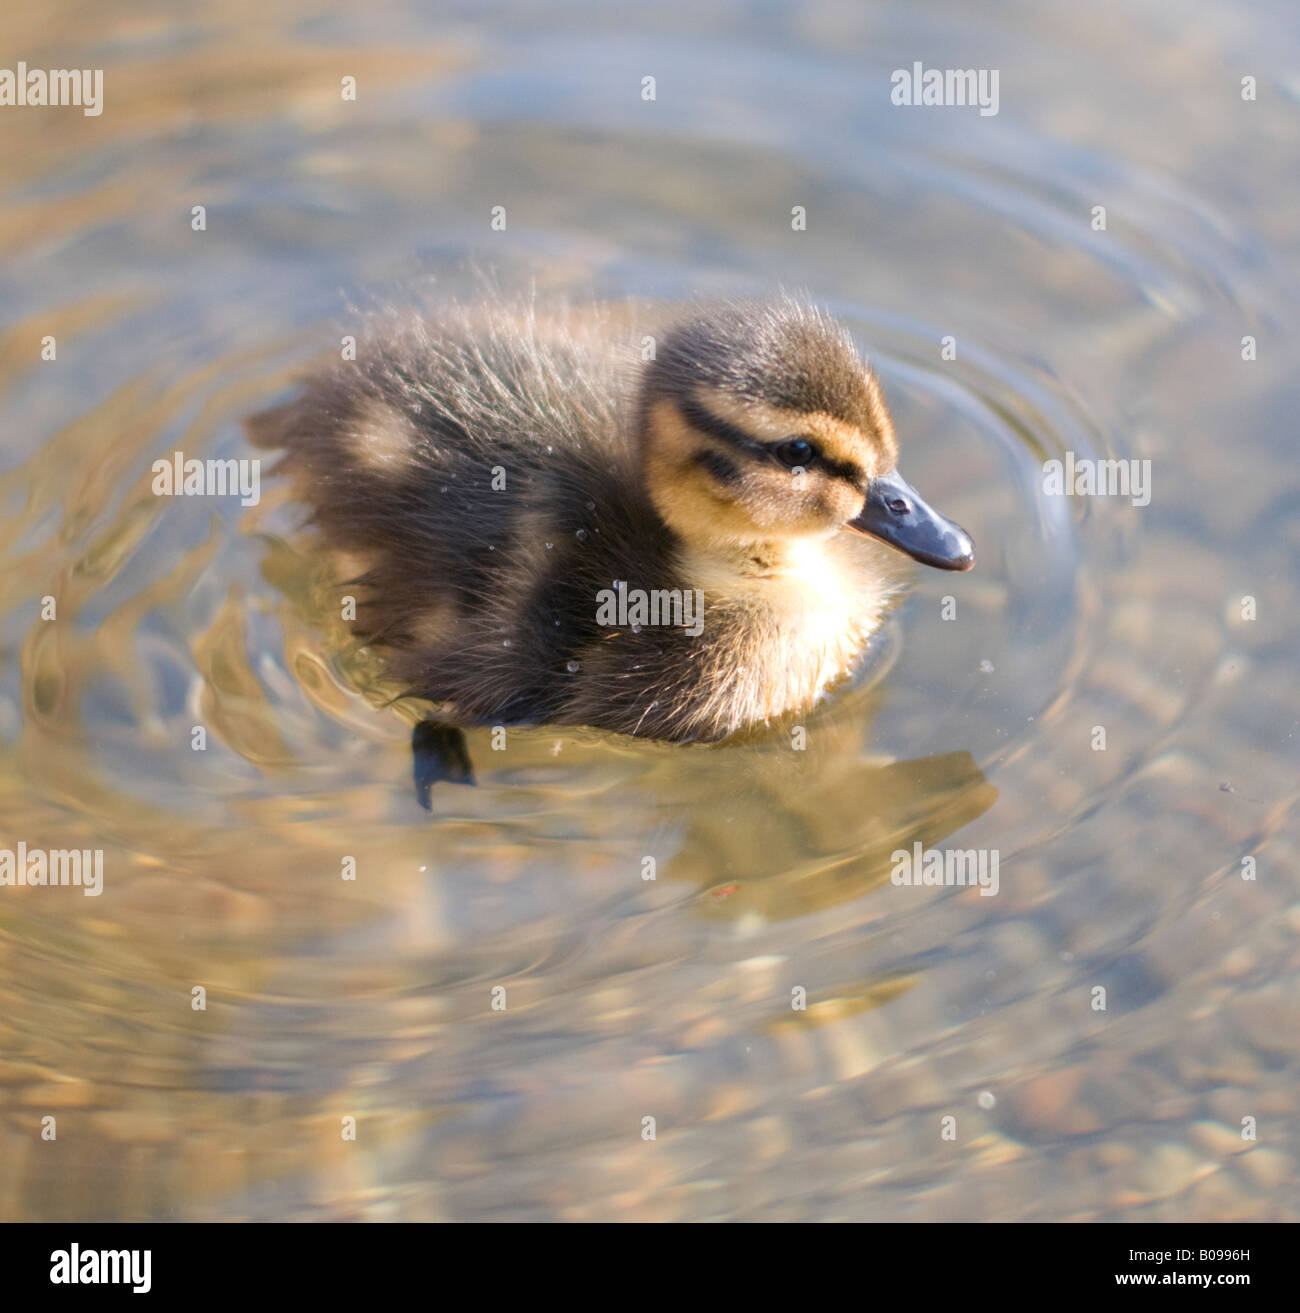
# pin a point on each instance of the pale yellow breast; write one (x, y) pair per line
(794, 625)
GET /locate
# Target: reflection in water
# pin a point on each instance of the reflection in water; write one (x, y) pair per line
(350, 946)
(758, 837)
(764, 837)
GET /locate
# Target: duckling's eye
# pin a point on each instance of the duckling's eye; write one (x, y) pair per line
(796, 451)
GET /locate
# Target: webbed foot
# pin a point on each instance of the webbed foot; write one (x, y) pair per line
(439, 753)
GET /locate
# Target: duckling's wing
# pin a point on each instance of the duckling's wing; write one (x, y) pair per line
(483, 489)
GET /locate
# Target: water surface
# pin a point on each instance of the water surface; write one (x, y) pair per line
(1120, 868)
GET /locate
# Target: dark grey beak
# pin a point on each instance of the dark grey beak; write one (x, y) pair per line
(896, 515)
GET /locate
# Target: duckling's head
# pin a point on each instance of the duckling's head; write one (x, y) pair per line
(761, 423)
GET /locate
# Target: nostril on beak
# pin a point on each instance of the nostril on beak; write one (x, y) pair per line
(898, 506)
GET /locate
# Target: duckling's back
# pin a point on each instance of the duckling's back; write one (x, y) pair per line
(479, 472)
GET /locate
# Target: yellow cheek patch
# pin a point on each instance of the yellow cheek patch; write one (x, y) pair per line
(674, 438)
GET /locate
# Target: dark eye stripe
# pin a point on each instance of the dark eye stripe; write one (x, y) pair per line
(846, 470)
(837, 469)
(706, 422)
(719, 466)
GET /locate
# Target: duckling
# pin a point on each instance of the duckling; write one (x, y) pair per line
(522, 505)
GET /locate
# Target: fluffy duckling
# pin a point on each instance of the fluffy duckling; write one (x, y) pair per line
(677, 549)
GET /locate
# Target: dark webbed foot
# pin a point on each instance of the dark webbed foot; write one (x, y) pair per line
(439, 753)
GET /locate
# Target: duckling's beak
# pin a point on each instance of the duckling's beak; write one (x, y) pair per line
(896, 515)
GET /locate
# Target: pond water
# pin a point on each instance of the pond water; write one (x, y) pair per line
(1100, 1031)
